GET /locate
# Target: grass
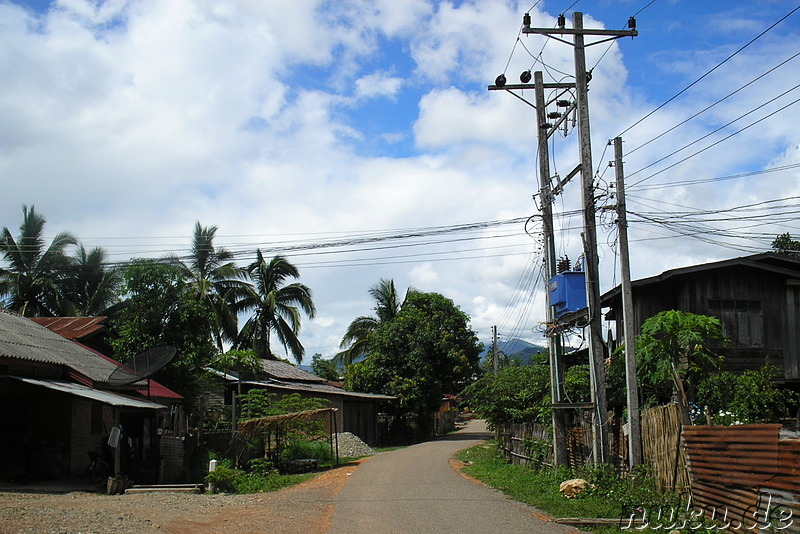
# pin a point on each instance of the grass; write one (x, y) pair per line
(540, 488)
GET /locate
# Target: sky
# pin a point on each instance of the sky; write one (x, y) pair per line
(358, 138)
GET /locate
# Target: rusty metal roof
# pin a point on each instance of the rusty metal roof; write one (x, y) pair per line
(72, 327)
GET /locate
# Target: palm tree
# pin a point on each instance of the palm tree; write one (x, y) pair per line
(32, 278)
(92, 287)
(214, 279)
(355, 342)
(276, 307)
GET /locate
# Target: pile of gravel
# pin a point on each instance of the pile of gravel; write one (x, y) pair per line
(351, 446)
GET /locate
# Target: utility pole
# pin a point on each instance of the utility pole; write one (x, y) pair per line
(560, 452)
(600, 448)
(634, 422)
(495, 362)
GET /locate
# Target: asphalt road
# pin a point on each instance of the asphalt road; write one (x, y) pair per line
(415, 490)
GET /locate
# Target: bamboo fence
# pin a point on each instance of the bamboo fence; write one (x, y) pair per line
(662, 447)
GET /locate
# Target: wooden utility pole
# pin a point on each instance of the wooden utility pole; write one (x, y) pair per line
(634, 422)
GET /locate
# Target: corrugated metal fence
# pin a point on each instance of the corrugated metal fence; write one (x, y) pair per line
(746, 471)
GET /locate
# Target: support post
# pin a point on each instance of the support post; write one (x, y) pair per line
(634, 421)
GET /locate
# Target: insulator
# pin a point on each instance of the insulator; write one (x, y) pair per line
(553, 115)
(526, 20)
(500, 81)
(632, 23)
(525, 77)
(563, 103)
(545, 126)
(562, 21)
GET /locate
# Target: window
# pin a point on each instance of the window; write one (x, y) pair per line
(742, 321)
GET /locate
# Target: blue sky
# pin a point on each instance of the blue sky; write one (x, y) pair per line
(287, 124)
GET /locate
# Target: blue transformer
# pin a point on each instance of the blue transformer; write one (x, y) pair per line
(567, 292)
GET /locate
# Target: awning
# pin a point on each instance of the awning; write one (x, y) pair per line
(79, 390)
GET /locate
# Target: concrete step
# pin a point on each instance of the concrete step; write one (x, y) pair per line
(185, 488)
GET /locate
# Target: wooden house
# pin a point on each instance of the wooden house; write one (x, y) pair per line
(356, 413)
(57, 407)
(757, 299)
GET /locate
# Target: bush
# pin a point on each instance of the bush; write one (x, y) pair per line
(751, 397)
(298, 449)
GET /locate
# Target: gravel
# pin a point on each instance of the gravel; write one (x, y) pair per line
(351, 446)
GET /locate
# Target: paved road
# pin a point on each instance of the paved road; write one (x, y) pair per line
(414, 490)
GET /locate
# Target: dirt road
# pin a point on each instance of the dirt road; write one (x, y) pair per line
(411, 490)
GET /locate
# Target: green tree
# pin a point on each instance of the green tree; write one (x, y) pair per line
(676, 347)
(323, 368)
(427, 351)
(276, 307)
(355, 342)
(32, 279)
(784, 244)
(92, 287)
(214, 280)
(160, 311)
(517, 394)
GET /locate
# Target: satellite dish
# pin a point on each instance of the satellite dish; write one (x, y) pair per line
(141, 366)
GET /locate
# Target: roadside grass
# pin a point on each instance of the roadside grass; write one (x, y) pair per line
(610, 497)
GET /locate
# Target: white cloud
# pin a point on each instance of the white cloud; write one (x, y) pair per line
(378, 84)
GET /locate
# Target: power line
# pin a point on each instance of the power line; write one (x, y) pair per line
(718, 65)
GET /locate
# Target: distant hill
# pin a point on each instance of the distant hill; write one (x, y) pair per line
(517, 349)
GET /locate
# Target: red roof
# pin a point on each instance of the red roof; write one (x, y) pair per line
(71, 327)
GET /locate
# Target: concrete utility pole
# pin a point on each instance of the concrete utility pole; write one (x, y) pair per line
(495, 362)
(634, 422)
(600, 442)
(560, 452)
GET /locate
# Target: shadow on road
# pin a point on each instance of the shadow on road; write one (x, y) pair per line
(467, 436)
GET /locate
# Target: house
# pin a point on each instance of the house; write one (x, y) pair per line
(357, 413)
(57, 407)
(757, 299)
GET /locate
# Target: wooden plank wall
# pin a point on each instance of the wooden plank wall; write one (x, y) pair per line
(736, 469)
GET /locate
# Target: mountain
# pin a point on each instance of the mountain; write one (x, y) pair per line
(517, 349)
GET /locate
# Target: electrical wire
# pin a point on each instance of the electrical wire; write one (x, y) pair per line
(698, 80)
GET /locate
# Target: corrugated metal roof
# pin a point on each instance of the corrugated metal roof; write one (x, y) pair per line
(23, 339)
(72, 327)
(286, 371)
(105, 397)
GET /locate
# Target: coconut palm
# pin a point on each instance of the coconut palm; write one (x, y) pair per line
(213, 279)
(31, 279)
(92, 286)
(355, 342)
(276, 307)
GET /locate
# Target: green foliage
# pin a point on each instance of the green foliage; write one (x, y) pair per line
(159, 311)
(243, 362)
(260, 479)
(751, 397)
(323, 368)
(784, 244)
(539, 487)
(576, 384)
(426, 351)
(675, 347)
(262, 466)
(258, 403)
(298, 449)
(516, 394)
